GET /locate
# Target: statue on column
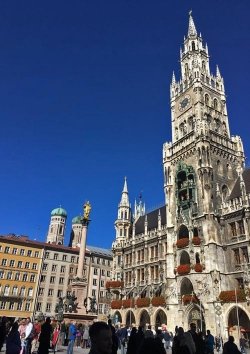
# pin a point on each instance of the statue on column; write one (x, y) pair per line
(86, 210)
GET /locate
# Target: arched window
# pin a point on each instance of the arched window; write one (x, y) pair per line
(206, 99)
(183, 232)
(193, 46)
(184, 259)
(196, 232)
(215, 104)
(6, 290)
(30, 292)
(126, 215)
(61, 230)
(15, 290)
(225, 192)
(121, 214)
(22, 291)
(197, 258)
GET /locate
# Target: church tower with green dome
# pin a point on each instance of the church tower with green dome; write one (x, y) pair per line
(57, 226)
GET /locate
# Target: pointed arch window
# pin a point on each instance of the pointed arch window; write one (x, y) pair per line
(215, 104)
(206, 99)
(193, 45)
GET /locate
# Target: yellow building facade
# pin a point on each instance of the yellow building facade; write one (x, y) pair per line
(20, 265)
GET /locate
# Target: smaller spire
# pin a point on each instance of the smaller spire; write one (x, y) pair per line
(206, 49)
(180, 52)
(125, 187)
(191, 26)
(173, 79)
(218, 72)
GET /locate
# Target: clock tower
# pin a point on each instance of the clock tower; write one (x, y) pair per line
(203, 160)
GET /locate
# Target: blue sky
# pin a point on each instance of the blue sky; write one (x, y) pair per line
(84, 91)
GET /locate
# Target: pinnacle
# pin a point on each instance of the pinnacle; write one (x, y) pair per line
(191, 26)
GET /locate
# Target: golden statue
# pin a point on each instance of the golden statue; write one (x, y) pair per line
(86, 210)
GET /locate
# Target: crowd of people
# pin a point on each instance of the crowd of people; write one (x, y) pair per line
(25, 337)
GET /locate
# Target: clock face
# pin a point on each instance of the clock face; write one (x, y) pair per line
(184, 103)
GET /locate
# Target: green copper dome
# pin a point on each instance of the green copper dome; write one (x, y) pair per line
(77, 220)
(59, 212)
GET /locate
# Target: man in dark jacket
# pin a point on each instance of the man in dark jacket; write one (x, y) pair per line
(101, 338)
(114, 337)
(230, 347)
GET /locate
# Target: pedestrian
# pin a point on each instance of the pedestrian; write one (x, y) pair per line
(139, 338)
(114, 337)
(242, 344)
(131, 348)
(230, 347)
(71, 337)
(55, 337)
(151, 345)
(62, 335)
(29, 334)
(122, 336)
(85, 336)
(149, 333)
(209, 343)
(13, 342)
(183, 343)
(3, 331)
(196, 338)
(78, 336)
(101, 338)
(167, 337)
(44, 338)
(37, 331)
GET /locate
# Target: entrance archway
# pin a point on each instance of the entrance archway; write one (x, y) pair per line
(117, 317)
(160, 319)
(144, 318)
(244, 322)
(196, 316)
(130, 318)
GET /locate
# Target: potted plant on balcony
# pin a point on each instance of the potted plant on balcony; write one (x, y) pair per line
(229, 296)
(196, 240)
(158, 301)
(114, 284)
(183, 269)
(127, 303)
(116, 304)
(186, 299)
(182, 242)
(143, 302)
(198, 268)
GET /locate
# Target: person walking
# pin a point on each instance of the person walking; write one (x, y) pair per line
(149, 333)
(85, 336)
(72, 337)
(44, 338)
(13, 342)
(55, 337)
(101, 338)
(183, 343)
(114, 337)
(37, 331)
(230, 347)
(122, 336)
(62, 335)
(28, 335)
(131, 347)
(209, 343)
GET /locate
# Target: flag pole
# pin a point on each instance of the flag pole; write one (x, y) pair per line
(237, 312)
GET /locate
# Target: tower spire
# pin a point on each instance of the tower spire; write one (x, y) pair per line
(191, 26)
(173, 79)
(125, 198)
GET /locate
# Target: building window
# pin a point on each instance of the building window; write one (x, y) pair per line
(39, 306)
(73, 259)
(14, 251)
(17, 276)
(27, 306)
(52, 280)
(63, 269)
(30, 292)
(29, 253)
(64, 258)
(9, 275)
(102, 283)
(54, 266)
(55, 256)
(25, 277)
(41, 291)
(22, 291)
(6, 290)
(50, 292)
(21, 252)
(36, 254)
(43, 278)
(59, 293)
(34, 266)
(100, 307)
(12, 263)
(14, 290)
(48, 307)
(45, 266)
(46, 255)
(98, 260)
(4, 262)
(95, 271)
(108, 273)
(93, 292)
(241, 227)
(237, 256)
(11, 306)
(94, 282)
(27, 265)
(233, 229)
(245, 255)
(2, 305)
(7, 250)
(1, 274)
(32, 278)
(103, 272)
(101, 293)
(19, 306)
(61, 280)
(71, 270)
(19, 264)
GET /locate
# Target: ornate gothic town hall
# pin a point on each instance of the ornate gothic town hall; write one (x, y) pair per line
(188, 261)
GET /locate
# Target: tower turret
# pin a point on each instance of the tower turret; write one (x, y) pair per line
(123, 222)
(57, 226)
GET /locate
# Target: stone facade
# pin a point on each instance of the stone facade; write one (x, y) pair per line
(185, 261)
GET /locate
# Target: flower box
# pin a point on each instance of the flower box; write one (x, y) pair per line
(143, 302)
(114, 284)
(196, 240)
(229, 296)
(198, 267)
(182, 242)
(186, 299)
(127, 303)
(183, 269)
(158, 301)
(116, 304)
